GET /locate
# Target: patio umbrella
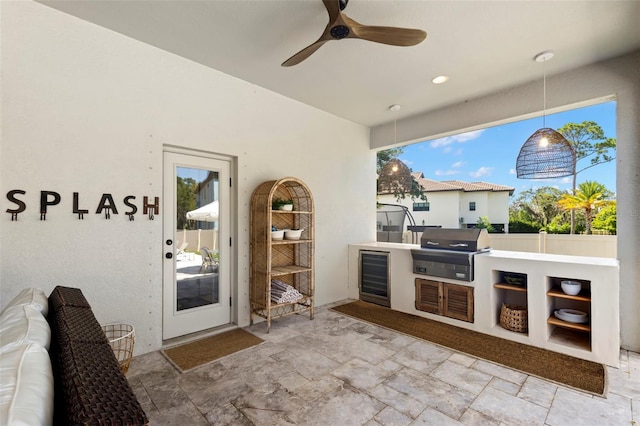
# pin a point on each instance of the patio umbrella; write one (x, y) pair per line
(206, 213)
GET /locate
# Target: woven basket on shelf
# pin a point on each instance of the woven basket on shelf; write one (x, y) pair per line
(514, 318)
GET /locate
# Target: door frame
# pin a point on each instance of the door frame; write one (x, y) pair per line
(232, 225)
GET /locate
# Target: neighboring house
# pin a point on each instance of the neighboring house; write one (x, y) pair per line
(454, 203)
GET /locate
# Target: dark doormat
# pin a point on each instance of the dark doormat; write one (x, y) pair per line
(193, 354)
(583, 375)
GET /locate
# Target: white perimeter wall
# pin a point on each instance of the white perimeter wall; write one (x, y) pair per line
(87, 110)
(619, 77)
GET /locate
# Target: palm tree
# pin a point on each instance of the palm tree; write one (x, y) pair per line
(589, 197)
(589, 142)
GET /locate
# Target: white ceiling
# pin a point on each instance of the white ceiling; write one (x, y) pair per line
(484, 46)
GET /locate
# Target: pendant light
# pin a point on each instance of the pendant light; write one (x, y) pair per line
(395, 176)
(546, 154)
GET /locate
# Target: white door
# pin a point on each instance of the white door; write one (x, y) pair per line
(196, 244)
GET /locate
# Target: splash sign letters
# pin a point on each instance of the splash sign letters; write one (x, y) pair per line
(106, 205)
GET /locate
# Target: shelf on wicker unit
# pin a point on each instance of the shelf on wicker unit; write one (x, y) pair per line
(291, 269)
(276, 242)
(290, 212)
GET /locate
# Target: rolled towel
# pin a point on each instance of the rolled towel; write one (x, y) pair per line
(284, 293)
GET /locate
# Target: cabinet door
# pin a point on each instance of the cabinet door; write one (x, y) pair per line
(428, 296)
(458, 302)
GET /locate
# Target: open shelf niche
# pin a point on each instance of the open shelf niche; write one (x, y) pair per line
(577, 335)
(511, 289)
(288, 261)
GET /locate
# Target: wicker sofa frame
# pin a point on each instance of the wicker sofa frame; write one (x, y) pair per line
(89, 386)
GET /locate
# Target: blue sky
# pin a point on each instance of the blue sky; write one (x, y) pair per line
(490, 154)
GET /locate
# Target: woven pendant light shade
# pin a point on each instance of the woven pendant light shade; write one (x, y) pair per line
(395, 177)
(546, 154)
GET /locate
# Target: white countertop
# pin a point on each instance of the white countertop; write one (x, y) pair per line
(503, 254)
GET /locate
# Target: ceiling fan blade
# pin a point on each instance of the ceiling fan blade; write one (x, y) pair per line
(388, 35)
(304, 53)
(333, 8)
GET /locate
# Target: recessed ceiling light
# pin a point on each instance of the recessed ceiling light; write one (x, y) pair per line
(440, 79)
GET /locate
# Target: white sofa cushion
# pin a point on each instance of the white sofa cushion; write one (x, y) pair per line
(31, 296)
(22, 325)
(26, 386)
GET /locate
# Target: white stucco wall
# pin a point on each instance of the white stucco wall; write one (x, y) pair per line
(496, 210)
(617, 77)
(440, 207)
(87, 110)
(482, 206)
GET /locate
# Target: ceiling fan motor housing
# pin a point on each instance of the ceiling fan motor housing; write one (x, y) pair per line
(339, 31)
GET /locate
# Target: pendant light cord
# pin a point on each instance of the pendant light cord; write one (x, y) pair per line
(395, 108)
(544, 93)
(395, 128)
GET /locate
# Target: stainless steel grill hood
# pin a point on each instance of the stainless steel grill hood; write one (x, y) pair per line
(449, 253)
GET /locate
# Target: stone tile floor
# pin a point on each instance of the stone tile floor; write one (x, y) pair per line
(336, 370)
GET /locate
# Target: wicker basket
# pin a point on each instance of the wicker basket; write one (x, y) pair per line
(121, 338)
(514, 318)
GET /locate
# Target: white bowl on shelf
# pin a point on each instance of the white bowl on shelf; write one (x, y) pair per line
(571, 287)
(277, 235)
(292, 234)
(571, 315)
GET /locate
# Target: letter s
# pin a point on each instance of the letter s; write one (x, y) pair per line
(11, 197)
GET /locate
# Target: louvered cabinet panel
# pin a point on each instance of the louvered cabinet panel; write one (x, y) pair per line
(457, 302)
(428, 296)
(446, 299)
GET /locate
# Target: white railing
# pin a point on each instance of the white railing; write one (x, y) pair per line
(573, 245)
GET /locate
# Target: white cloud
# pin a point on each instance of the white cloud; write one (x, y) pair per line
(461, 138)
(407, 162)
(482, 171)
(458, 164)
(512, 171)
(446, 172)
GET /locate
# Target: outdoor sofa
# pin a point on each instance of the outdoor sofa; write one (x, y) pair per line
(57, 367)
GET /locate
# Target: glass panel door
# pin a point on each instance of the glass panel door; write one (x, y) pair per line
(196, 266)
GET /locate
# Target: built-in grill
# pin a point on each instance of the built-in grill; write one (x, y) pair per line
(449, 253)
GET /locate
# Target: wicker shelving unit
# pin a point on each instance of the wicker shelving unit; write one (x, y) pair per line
(288, 261)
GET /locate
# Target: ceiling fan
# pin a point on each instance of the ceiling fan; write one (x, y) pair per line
(341, 26)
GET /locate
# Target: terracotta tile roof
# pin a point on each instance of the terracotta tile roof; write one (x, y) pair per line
(480, 186)
(431, 185)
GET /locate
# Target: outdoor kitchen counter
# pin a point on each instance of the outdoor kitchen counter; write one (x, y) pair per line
(598, 340)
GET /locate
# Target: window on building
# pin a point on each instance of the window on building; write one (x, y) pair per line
(472, 206)
(421, 207)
